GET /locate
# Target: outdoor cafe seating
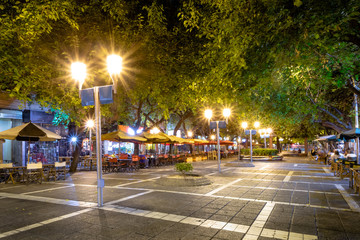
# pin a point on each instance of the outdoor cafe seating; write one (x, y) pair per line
(34, 172)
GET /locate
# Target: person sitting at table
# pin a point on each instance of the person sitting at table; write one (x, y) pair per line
(334, 157)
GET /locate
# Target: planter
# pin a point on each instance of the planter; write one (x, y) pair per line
(186, 180)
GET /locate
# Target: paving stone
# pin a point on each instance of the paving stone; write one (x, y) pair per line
(222, 234)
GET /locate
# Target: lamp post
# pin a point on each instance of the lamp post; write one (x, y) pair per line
(226, 114)
(90, 124)
(73, 141)
(244, 125)
(78, 70)
(265, 133)
(256, 125)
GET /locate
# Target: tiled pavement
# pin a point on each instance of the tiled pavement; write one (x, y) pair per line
(292, 199)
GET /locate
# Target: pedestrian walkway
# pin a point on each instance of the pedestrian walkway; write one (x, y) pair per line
(291, 199)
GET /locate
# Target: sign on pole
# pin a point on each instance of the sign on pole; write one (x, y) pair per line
(222, 124)
(247, 132)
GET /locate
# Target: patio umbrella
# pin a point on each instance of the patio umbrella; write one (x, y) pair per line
(153, 138)
(326, 138)
(29, 132)
(120, 136)
(350, 134)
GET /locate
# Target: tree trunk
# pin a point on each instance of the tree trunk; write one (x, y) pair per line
(76, 156)
(136, 148)
(306, 146)
(271, 142)
(278, 144)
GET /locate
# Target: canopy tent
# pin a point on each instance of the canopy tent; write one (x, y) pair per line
(222, 142)
(29, 132)
(153, 138)
(350, 134)
(326, 138)
(196, 141)
(120, 136)
(172, 139)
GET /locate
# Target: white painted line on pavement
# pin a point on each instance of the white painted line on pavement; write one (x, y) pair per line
(352, 204)
(40, 224)
(223, 187)
(287, 178)
(49, 189)
(49, 200)
(258, 225)
(222, 170)
(206, 223)
(266, 166)
(129, 197)
(140, 181)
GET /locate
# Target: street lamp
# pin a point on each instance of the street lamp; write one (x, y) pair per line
(90, 124)
(190, 134)
(244, 125)
(264, 133)
(78, 71)
(256, 125)
(208, 115)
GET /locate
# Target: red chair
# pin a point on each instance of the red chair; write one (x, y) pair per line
(135, 162)
(113, 165)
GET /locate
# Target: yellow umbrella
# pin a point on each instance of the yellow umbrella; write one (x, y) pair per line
(153, 138)
(173, 139)
(29, 132)
(121, 136)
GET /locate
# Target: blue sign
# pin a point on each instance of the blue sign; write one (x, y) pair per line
(247, 132)
(105, 95)
(222, 124)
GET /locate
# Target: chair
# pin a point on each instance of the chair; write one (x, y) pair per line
(60, 168)
(142, 161)
(105, 165)
(344, 169)
(113, 165)
(5, 174)
(356, 181)
(135, 162)
(34, 172)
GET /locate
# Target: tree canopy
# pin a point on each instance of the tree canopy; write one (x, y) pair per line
(287, 63)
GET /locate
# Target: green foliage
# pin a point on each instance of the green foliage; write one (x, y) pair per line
(184, 168)
(260, 152)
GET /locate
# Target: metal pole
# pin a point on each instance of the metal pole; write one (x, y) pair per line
(356, 126)
(90, 142)
(218, 143)
(265, 141)
(100, 181)
(251, 146)
(239, 148)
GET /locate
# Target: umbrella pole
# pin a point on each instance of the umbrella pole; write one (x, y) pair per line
(28, 152)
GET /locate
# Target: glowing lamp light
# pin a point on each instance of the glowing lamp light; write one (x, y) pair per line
(208, 113)
(257, 124)
(190, 133)
(131, 131)
(78, 72)
(226, 112)
(155, 130)
(90, 123)
(269, 130)
(114, 64)
(212, 137)
(73, 139)
(244, 125)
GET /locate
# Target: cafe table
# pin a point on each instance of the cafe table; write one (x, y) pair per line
(14, 171)
(351, 177)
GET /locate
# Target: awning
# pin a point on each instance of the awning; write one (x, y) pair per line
(350, 134)
(326, 138)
